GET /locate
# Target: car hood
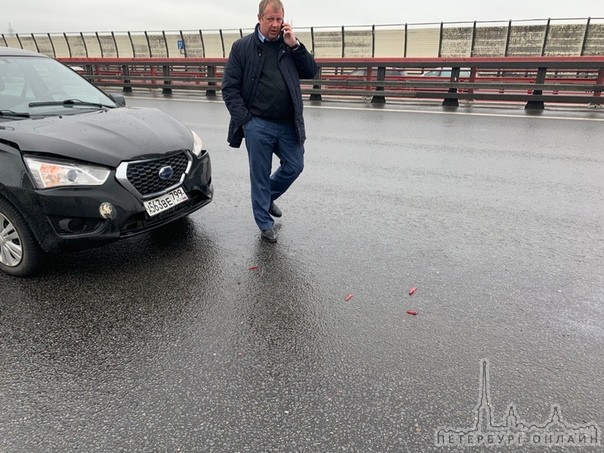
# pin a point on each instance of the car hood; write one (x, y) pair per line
(105, 137)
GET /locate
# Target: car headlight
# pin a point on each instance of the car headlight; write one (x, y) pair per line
(48, 173)
(197, 144)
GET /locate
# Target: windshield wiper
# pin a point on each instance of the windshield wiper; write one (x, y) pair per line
(70, 103)
(14, 114)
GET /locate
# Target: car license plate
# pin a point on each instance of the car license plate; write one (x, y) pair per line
(167, 201)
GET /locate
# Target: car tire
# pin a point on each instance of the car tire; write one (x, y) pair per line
(20, 253)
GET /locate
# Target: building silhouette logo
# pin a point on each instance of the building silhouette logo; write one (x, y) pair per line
(512, 431)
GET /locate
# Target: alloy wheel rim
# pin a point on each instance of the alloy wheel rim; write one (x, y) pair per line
(11, 249)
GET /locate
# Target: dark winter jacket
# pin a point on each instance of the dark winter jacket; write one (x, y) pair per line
(241, 76)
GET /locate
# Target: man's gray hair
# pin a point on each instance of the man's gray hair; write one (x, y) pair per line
(264, 3)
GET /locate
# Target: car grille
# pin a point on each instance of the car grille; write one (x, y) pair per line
(144, 175)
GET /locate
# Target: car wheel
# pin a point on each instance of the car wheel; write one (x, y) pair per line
(20, 253)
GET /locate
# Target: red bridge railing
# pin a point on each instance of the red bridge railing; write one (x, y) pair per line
(533, 80)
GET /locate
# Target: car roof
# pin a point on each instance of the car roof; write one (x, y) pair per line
(14, 52)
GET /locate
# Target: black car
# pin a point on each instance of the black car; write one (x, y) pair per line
(78, 169)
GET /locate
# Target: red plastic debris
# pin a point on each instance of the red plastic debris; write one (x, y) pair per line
(412, 290)
(254, 268)
(411, 312)
(348, 297)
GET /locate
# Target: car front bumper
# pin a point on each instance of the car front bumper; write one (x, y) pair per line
(70, 218)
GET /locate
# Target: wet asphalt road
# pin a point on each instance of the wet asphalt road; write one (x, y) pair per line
(203, 338)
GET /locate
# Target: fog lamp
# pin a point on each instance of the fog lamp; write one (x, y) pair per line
(107, 211)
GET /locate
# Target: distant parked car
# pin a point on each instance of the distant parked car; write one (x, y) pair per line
(441, 72)
(391, 73)
(77, 68)
(78, 169)
(363, 78)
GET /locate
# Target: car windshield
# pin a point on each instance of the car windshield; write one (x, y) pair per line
(43, 86)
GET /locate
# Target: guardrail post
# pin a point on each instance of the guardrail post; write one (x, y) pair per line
(597, 93)
(211, 91)
(537, 105)
(317, 96)
(453, 101)
(381, 76)
(167, 89)
(126, 75)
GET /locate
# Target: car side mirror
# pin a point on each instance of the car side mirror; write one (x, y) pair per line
(119, 99)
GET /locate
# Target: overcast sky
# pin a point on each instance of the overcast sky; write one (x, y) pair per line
(51, 16)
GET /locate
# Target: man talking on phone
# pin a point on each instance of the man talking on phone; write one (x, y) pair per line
(261, 90)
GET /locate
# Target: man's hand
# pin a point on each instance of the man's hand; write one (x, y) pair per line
(289, 36)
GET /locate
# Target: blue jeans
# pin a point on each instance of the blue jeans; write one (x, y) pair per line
(262, 139)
